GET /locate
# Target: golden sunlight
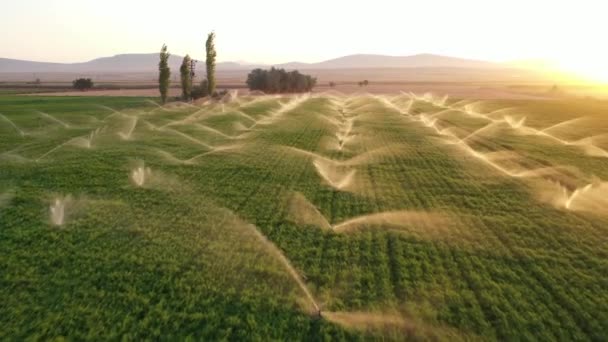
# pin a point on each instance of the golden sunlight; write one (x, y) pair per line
(592, 68)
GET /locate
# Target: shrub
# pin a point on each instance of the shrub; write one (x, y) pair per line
(82, 84)
(201, 90)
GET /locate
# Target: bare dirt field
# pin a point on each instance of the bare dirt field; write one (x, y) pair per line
(455, 82)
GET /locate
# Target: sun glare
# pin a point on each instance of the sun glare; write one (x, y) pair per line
(590, 68)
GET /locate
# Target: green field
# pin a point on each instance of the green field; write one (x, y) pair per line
(398, 217)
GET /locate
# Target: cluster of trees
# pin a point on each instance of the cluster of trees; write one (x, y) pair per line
(187, 73)
(280, 81)
(81, 83)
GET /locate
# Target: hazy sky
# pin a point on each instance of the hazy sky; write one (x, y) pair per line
(572, 33)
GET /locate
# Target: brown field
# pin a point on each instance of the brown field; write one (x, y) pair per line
(455, 82)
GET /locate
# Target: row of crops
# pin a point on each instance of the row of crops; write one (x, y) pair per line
(393, 230)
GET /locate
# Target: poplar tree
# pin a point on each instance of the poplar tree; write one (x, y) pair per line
(186, 76)
(210, 45)
(164, 73)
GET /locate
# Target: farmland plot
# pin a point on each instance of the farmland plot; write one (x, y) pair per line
(303, 217)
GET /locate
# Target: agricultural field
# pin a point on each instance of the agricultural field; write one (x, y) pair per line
(314, 217)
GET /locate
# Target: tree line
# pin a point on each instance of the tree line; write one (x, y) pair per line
(269, 81)
(280, 81)
(189, 91)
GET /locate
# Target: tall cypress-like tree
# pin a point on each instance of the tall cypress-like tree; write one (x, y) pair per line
(186, 76)
(164, 74)
(210, 45)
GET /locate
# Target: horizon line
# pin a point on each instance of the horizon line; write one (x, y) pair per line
(245, 62)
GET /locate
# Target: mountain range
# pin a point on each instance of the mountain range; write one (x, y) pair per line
(147, 62)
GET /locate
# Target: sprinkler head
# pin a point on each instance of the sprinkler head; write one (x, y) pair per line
(318, 315)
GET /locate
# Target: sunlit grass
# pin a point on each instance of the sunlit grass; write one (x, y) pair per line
(437, 236)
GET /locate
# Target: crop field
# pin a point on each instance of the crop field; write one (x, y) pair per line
(313, 217)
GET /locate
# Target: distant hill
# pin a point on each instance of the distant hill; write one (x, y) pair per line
(382, 61)
(535, 64)
(147, 62)
(144, 62)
